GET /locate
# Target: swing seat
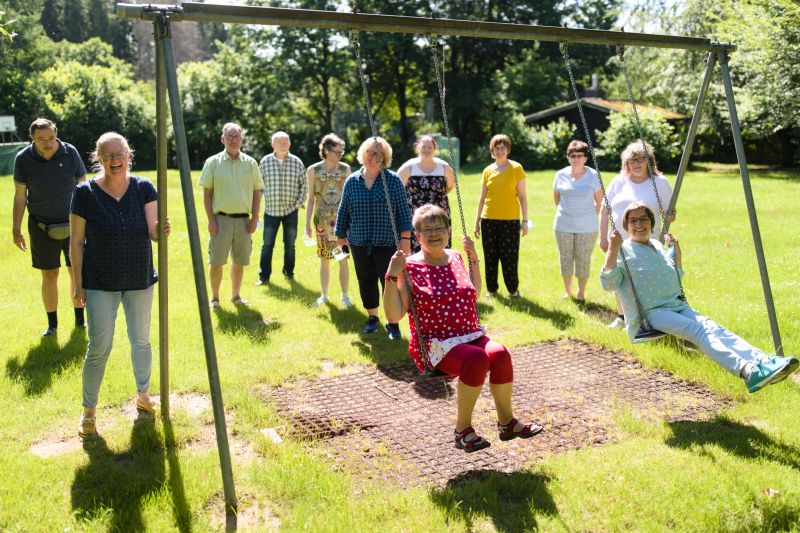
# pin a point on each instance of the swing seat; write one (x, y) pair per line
(432, 373)
(647, 335)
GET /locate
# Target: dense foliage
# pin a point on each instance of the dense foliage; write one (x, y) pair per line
(307, 82)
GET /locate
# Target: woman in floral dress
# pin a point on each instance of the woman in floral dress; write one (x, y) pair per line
(325, 182)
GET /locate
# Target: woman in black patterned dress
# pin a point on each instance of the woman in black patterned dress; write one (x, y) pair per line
(428, 179)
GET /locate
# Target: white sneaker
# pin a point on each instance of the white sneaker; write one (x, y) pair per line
(617, 323)
(322, 300)
(346, 301)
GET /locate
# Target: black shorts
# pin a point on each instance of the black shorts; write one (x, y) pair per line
(46, 252)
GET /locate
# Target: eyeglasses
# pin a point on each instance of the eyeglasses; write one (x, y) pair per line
(499, 148)
(432, 231)
(337, 152)
(638, 220)
(636, 159)
(576, 155)
(112, 157)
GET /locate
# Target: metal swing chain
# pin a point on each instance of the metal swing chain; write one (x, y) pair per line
(412, 309)
(579, 102)
(650, 174)
(434, 41)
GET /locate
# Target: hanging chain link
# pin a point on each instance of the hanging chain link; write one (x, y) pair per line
(650, 173)
(433, 40)
(412, 309)
(579, 101)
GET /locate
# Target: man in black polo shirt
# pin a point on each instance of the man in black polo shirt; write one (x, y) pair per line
(45, 174)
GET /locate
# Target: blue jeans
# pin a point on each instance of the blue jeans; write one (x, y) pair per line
(101, 309)
(271, 225)
(724, 347)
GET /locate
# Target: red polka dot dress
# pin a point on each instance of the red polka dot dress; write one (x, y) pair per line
(444, 300)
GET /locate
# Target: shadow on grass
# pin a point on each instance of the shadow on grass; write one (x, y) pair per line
(739, 439)
(116, 484)
(183, 517)
(509, 500)
(248, 321)
(297, 291)
(766, 511)
(560, 319)
(45, 361)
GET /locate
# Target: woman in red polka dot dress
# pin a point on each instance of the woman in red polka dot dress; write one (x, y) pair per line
(444, 300)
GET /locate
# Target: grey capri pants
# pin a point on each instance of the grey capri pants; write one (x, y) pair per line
(575, 252)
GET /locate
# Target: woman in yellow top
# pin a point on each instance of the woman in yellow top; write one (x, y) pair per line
(502, 203)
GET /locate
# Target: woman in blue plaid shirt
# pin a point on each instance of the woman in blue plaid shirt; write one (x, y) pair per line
(364, 224)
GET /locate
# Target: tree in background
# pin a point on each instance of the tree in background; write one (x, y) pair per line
(86, 100)
(75, 21)
(98, 19)
(763, 68)
(52, 19)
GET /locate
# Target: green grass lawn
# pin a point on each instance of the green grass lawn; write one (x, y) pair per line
(737, 471)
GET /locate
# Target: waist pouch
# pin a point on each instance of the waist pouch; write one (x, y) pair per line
(58, 232)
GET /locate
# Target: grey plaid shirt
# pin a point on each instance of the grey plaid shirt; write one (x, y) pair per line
(285, 186)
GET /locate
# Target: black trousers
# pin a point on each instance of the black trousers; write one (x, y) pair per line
(501, 245)
(371, 263)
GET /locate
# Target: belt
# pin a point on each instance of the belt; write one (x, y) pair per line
(234, 215)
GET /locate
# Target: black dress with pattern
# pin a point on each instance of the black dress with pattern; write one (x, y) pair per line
(423, 188)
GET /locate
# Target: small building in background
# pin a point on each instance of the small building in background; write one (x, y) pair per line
(597, 110)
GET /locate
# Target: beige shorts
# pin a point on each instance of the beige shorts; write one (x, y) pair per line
(231, 238)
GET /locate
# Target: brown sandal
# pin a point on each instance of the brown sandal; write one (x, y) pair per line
(472, 445)
(528, 430)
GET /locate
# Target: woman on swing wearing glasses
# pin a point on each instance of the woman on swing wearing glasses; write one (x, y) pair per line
(655, 277)
(633, 184)
(445, 291)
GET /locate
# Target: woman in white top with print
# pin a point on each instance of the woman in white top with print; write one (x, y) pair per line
(631, 185)
(578, 195)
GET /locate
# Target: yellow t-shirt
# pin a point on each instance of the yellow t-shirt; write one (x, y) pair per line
(233, 182)
(501, 192)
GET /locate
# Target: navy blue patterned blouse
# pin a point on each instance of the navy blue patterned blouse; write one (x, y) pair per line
(117, 253)
(363, 216)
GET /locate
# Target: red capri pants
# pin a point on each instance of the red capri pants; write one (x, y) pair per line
(470, 362)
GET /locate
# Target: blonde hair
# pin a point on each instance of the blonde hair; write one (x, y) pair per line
(429, 213)
(96, 157)
(636, 149)
(386, 150)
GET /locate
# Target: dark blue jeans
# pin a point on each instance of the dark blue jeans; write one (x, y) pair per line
(271, 225)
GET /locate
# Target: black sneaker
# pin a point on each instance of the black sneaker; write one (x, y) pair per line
(261, 282)
(50, 332)
(372, 325)
(394, 331)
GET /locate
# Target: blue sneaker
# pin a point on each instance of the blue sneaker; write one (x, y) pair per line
(394, 331)
(768, 372)
(372, 325)
(792, 365)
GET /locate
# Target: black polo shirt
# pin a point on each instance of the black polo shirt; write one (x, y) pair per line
(117, 253)
(49, 183)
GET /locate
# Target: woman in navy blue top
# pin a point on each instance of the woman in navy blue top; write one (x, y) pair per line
(363, 223)
(113, 219)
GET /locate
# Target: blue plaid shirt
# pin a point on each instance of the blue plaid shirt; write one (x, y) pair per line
(363, 216)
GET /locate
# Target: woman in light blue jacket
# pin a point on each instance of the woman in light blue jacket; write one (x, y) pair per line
(656, 272)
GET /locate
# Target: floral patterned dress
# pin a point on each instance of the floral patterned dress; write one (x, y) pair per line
(427, 188)
(327, 195)
(444, 300)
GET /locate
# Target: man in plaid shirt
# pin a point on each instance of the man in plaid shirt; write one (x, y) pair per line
(285, 188)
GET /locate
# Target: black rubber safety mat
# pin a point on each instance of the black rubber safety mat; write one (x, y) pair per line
(382, 423)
